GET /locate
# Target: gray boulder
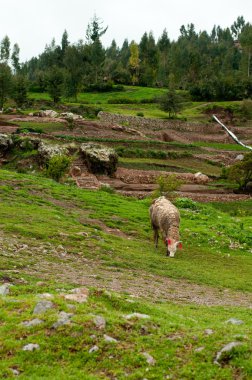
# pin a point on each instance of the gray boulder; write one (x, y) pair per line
(99, 159)
(47, 151)
(5, 143)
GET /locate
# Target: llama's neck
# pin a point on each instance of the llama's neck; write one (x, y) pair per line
(173, 233)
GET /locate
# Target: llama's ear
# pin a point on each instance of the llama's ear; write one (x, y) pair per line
(179, 245)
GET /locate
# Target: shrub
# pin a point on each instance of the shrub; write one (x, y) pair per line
(141, 114)
(57, 167)
(167, 185)
(186, 203)
(121, 101)
(107, 188)
(241, 172)
(246, 108)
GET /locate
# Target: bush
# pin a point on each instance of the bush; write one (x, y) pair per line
(186, 203)
(57, 167)
(246, 108)
(140, 114)
(167, 185)
(122, 101)
(241, 172)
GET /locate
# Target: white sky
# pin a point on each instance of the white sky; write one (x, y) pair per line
(34, 23)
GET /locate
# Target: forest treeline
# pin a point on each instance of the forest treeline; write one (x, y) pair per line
(211, 66)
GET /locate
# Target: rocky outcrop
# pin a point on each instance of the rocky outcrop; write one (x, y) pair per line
(99, 159)
(5, 143)
(47, 151)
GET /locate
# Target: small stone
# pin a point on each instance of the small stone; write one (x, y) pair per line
(235, 321)
(42, 307)
(137, 315)
(5, 289)
(99, 322)
(31, 347)
(46, 295)
(64, 319)
(33, 322)
(40, 283)
(93, 349)
(79, 295)
(199, 349)
(15, 371)
(150, 360)
(208, 332)
(109, 339)
(225, 350)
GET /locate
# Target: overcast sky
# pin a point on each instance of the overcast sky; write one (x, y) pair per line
(34, 23)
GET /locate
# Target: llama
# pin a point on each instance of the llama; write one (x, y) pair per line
(166, 218)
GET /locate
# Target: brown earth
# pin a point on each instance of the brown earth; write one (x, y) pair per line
(47, 263)
(140, 183)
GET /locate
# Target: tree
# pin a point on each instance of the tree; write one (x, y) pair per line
(64, 42)
(241, 172)
(246, 43)
(54, 83)
(96, 50)
(163, 46)
(237, 26)
(74, 63)
(15, 58)
(19, 93)
(134, 62)
(170, 102)
(5, 49)
(95, 30)
(5, 83)
(148, 55)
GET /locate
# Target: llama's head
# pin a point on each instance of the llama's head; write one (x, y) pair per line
(172, 246)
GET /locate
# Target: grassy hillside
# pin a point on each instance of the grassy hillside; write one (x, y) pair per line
(54, 238)
(134, 100)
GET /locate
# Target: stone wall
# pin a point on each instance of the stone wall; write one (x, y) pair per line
(154, 124)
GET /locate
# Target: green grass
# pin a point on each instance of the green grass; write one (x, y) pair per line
(53, 209)
(172, 335)
(192, 111)
(188, 164)
(40, 218)
(45, 127)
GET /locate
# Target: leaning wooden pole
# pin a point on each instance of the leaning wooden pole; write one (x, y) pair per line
(231, 134)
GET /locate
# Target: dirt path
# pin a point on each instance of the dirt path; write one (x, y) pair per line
(82, 272)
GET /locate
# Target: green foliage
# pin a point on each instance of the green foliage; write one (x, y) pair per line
(187, 203)
(167, 186)
(170, 103)
(241, 172)
(20, 86)
(246, 108)
(57, 167)
(150, 153)
(140, 114)
(54, 83)
(5, 83)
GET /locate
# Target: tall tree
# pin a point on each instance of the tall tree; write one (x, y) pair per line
(15, 58)
(134, 62)
(95, 29)
(96, 51)
(54, 83)
(64, 42)
(19, 92)
(246, 43)
(5, 83)
(163, 46)
(5, 49)
(237, 27)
